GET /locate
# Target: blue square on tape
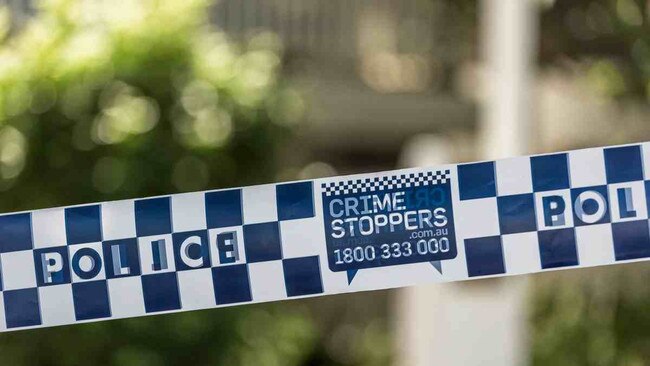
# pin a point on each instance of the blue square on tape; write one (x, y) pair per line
(160, 292)
(302, 276)
(631, 239)
(153, 216)
(83, 224)
(91, 300)
(121, 258)
(231, 284)
(484, 256)
(476, 180)
(15, 232)
(223, 208)
(22, 308)
(549, 172)
(557, 248)
(191, 250)
(262, 242)
(295, 200)
(590, 205)
(52, 266)
(623, 164)
(516, 213)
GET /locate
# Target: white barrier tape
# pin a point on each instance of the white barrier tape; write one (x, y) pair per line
(342, 234)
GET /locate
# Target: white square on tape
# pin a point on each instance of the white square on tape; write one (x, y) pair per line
(90, 260)
(188, 212)
(521, 253)
(595, 244)
(480, 218)
(267, 281)
(513, 176)
(118, 220)
(126, 296)
(302, 237)
(196, 289)
(48, 228)
(587, 168)
(57, 306)
(259, 204)
(18, 270)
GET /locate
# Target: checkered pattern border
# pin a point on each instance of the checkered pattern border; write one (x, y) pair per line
(579, 208)
(377, 184)
(165, 254)
(210, 249)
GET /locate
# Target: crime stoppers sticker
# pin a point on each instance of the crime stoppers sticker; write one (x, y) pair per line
(389, 220)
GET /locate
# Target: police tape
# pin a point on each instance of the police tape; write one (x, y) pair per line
(326, 236)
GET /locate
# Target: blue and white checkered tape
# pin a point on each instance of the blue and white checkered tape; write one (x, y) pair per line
(343, 234)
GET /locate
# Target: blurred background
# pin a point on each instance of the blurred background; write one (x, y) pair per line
(103, 100)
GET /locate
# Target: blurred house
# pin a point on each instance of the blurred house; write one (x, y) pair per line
(376, 72)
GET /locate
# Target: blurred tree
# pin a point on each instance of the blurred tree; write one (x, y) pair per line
(611, 37)
(593, 317)
(103, 101)
(99, 101)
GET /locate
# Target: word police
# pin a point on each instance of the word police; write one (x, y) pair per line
(590, 205)
(131, 257)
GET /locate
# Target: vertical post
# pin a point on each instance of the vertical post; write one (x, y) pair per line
(482, 322)
(508, 38)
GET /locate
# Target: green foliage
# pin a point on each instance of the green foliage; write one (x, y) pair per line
(255, 335)
(103, 101)
(593, 317)
(612, 37)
